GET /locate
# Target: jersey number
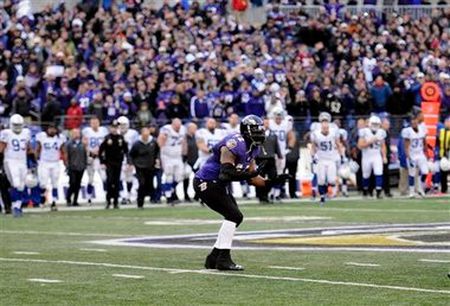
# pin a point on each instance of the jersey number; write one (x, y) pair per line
(326, 146)
(19, 145)
(415, 143)
(50, 146)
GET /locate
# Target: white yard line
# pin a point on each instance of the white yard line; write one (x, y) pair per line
(228, 274)
(93, 250)
(62, 233)
(26, 253)
(129, 276)
(360, 264)
(435, 260)
(287, 268)
(44, 280)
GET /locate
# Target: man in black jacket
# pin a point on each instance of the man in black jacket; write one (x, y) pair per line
(266, 158)
(144, 155)
(112, 152)
(75, 160)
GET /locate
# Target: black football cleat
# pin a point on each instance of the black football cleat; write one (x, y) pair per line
(211, 259)
(225, 263)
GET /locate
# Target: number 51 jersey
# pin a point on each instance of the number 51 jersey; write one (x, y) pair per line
(326, 144)
(16, 144)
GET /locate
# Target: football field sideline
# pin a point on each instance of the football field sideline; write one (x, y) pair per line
(227, 274)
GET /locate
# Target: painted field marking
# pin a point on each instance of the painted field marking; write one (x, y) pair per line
(129, 276)
(287, 268)
(360, 264)
(93, 250)
(26, 253)
(239, 275)
(61, 233)
(435, 260)
(44, 280)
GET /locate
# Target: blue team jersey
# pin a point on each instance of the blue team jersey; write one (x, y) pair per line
(236, 144)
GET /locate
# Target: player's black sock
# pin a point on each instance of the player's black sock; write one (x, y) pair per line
(185, 189)
(129, 187)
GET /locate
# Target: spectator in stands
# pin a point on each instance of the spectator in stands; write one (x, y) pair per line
(74, 116)
(51, 112)
(380, 92)
(21, 103)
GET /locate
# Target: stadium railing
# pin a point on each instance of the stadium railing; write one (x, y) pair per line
(301, 124)
(415, 11)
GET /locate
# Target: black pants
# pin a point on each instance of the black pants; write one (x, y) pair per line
(216, 196)
(4, 191)
(386, 180)
(270, 170)
(291, 167)
(75, 177)
(113, 183)
(444, 181)
(145, 179)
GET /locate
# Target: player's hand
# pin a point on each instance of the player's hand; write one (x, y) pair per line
(157, 164)
(411, 163)
(344, 159)
(315, 159)
(280, 179)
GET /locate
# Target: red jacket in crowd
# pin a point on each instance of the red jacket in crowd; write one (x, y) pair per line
(74, 116)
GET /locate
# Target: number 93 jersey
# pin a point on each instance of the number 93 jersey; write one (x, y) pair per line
(50, 146)
(375, 148)
(16, 144)
(416, 139)
(326, 144)
(94, 138)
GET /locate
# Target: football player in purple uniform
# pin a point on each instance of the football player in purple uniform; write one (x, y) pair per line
(232, 159)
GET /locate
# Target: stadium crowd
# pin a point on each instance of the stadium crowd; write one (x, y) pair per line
(131, 65)
(147, 64)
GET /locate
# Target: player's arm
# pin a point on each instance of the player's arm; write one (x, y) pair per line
(202, 146)
(384, 151)
(291, 140)
(228, 171)
(365, 143)
(184, 148)
(407, 144)
(162, 139)
(425, 148)
(2, 154)
(38, 149)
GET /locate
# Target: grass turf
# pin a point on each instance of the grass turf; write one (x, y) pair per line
(64, 235)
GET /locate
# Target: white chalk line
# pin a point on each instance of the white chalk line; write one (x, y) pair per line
(93, 250)
(434, 260)
(228, 274)
(44, 280)
(26, 253)
(361, 264)
(287, 268)
(129, 276)
(62, 233)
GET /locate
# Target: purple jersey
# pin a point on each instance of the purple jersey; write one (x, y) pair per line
(236, 144)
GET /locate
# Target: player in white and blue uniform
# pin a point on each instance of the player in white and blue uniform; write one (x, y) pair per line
(326, 149)
(281, 125)
(131, 136)
(415, 150)
(172, 145)
(343, 137)
(14, 151)
(49, 152)
(207, 138)
(317, 126)
(94, 136)
(371, 141)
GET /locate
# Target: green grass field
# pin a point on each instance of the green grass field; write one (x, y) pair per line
(58, 246)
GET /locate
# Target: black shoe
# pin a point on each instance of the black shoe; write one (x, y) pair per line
(389, 195)
(8, 211)
(53, 207)
(116, 205)
(187, 200)
(108, 205)
(211, 259)
(124, 202)
(379, 195)
(75, 205)
(225, 263)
